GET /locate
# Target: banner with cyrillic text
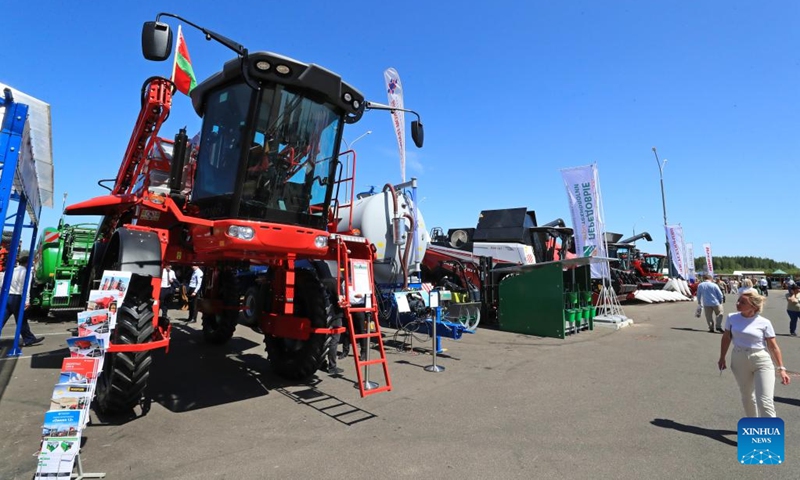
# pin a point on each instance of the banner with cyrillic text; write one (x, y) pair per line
(709, 259)
(677, 248)
(690, 261)
(394, 90)
(583, 192)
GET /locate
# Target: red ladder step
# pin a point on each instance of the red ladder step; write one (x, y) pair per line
(362, 365)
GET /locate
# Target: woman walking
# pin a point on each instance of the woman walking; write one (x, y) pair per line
(793, 308)
(754, 350)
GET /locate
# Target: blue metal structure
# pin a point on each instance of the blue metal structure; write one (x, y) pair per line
(415, 315)
(12, 136)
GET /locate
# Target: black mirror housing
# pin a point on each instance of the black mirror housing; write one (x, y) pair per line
(417, 133)
(156, 41)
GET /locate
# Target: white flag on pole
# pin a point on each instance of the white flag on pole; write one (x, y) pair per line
(690, 262)
(583, 191)
(677, 248)
(709, 259)
(394, 90)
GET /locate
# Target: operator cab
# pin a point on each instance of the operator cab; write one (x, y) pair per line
(270, 137)
(276, 168)
(271, 132)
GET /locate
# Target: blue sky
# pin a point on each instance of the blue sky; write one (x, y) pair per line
(509, 93)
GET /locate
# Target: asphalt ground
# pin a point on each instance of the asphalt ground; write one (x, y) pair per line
(644, 402)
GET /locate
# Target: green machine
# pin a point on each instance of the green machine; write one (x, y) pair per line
(550, 299)
(62, 255)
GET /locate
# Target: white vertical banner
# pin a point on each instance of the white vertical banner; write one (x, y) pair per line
(709, 259)
(690, 261)
(583, 192)
(394, 90)
(677, 248)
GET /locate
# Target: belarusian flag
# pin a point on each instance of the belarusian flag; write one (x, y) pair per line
(182, 72)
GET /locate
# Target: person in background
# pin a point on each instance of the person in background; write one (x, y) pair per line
(763, 284)
(193, 291)
(15, 301)
(723, 287)
(710, 297)
(747, 284)
(754, 351)
(333, 368)
(793, 308)
(168, 281)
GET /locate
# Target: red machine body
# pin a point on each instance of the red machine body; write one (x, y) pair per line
(259, 186)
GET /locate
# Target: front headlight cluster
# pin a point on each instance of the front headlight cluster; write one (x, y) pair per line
(239, 231)
(321, 241)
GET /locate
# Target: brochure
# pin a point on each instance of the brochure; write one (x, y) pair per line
(93, 322)
(61, 440)
(117, 281)
(103, 300)
(78, 370)
(70, 397)
(55, 464)
(61, 424)
(89, 346)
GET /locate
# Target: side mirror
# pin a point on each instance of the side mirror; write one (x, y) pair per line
(417, 133)
(156, 41)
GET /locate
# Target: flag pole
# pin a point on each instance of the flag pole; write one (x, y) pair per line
(175, 60)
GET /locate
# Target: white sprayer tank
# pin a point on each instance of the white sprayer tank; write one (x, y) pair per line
(376, 218)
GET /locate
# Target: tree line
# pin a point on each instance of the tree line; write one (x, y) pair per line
(730, 264)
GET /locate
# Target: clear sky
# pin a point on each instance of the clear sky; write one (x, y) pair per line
(509, 92)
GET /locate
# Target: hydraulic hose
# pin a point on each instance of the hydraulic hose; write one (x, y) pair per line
(395, 233)
(406, 251)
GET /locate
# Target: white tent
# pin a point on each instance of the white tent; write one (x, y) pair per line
(34, 175)
(747, 273)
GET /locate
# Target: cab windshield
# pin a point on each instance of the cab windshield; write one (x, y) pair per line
(284, 161)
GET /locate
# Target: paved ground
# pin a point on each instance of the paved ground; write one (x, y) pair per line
(644, 402)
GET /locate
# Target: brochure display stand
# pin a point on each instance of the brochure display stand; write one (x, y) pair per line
(80, 474)
(75, 389)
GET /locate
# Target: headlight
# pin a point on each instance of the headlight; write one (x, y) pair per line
(237, 231)
(321, 241)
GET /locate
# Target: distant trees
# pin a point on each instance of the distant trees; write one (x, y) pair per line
(730, 264)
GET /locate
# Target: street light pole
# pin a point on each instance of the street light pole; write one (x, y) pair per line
(349, 145)
(664, 207)
(637, 221)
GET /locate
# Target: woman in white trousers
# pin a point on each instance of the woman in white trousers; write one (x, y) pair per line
(755, 356)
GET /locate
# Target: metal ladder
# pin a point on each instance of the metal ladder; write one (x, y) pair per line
(365, 386)
(346, 245)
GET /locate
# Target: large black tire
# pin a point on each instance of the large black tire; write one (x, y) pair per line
(218, 327)
(249, 304)
(299, 359)
(121, 385)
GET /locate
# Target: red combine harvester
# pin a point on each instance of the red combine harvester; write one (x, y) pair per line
(260, 187)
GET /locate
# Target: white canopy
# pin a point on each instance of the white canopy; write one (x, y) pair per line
(34, 175)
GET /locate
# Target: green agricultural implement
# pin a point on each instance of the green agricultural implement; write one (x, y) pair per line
(62, 255)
